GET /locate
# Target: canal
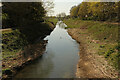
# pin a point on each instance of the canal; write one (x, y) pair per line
(59, 60)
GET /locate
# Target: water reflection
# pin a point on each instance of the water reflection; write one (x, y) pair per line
(60, 58)
(39, 69)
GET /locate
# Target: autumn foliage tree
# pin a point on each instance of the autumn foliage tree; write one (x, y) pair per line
(74, 11)
(102, 11)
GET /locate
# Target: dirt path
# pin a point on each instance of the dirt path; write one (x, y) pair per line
(90, 65)
(5, 29)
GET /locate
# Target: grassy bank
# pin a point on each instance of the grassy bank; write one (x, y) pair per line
(11, 43)
(14, 40)
(21, 45)
(101, 38)
(53, 20)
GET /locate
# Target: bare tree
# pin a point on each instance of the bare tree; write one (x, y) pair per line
(48, 5)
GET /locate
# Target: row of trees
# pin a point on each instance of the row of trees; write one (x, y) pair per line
(101, 11)
(61, 16)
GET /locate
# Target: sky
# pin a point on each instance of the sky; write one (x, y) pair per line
(64, 6)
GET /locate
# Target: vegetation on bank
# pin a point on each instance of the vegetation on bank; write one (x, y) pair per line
(104, 35)
(99, 19)
(11, 43)
(54, 20)
(14, 41)
(23, 25)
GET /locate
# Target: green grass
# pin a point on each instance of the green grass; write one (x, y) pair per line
(9, 54)
(14, 40)
(98, 30)
(106, 33)
(11, 43)
(54, 20)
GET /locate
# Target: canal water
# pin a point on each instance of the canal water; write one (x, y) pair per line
(59, 60)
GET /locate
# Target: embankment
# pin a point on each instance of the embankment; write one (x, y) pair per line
(53, 21)
(98, 48)
(21, 46)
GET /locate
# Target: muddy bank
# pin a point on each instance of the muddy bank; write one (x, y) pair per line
(91, 65)
(22, 59)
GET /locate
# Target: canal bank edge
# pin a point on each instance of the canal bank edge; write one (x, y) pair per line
(21, 61)
(90, 65)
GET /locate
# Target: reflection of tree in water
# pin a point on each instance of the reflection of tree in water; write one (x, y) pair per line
(46, 65)
(40, 68)
(61, 24)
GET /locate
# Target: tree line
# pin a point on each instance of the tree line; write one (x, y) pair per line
(101, 11)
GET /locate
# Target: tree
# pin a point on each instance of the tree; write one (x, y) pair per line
(101, 11)
(48, 5)
(83, 10)
(23, 13)
(61, 16)
(74, 11)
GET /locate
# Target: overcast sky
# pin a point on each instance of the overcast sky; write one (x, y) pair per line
(60, 5)
(64, 5)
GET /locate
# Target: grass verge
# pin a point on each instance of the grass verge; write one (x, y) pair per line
(104, 37)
